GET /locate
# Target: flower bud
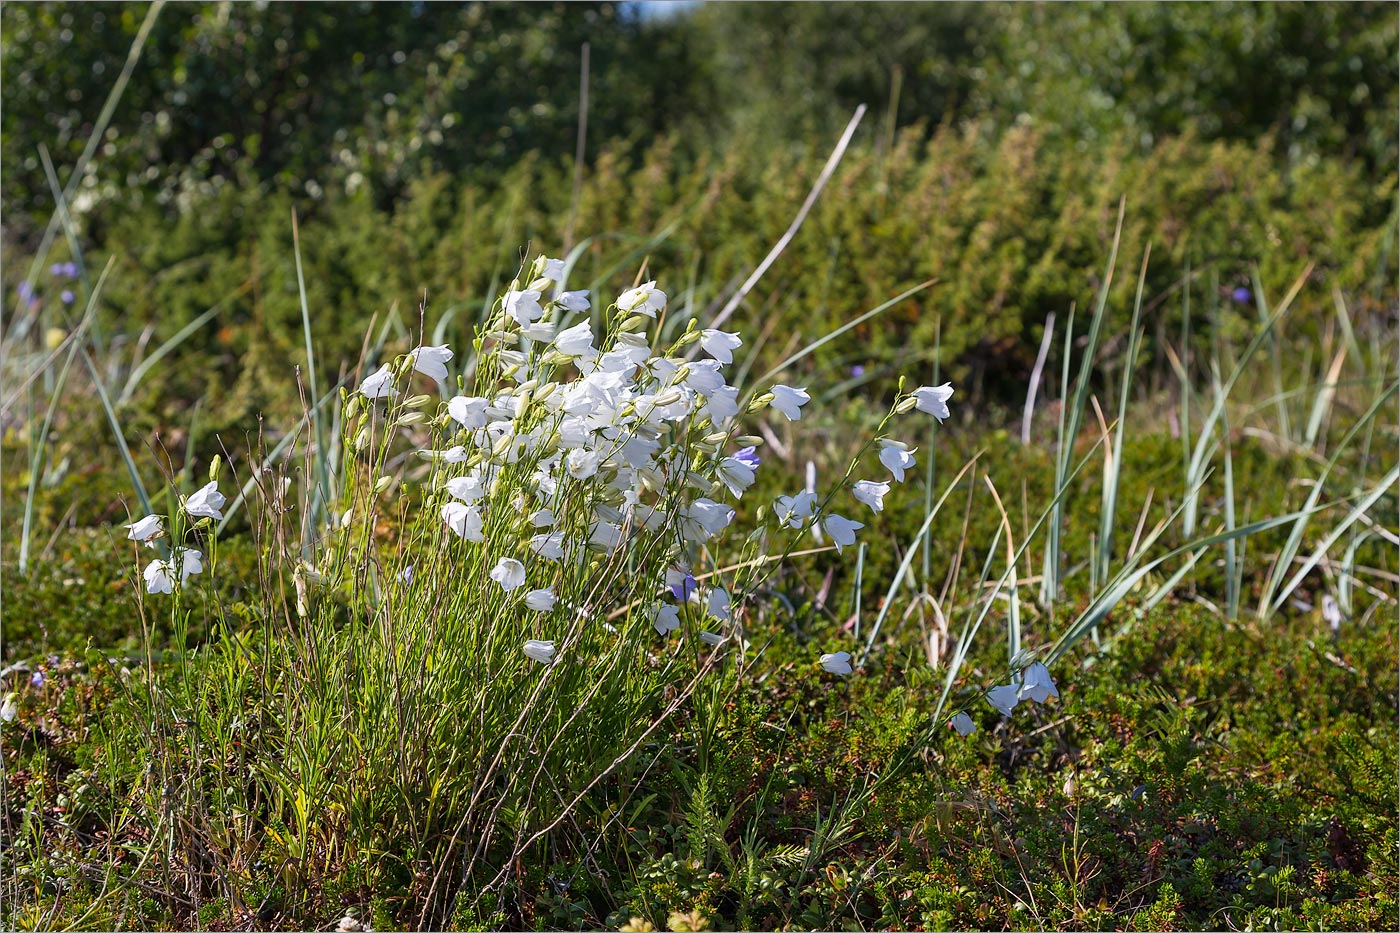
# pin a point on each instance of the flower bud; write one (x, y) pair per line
(905, 405)
(352, 405)
(214, 466)
(717, 438)
(411, 418)
(749, 440)
(382, 484)
(348, 517)
(418, 401)
(362, 438)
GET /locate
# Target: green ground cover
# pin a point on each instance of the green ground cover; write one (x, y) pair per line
(1172, 226)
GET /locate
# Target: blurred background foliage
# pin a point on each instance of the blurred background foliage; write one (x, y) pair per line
(423, 144)
(310, 97)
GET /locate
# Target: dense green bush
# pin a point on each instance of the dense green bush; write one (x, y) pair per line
(310, 96)
(1013, 228)
(314, 97)
(1321, 79)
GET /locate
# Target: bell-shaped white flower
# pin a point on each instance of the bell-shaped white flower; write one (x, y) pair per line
(842, 530)
(464, 520)
(576, 342)
(431, 361)
(704, 518)
(191, 562)
(582, 464)
(666, 618)
(897, 458)
(934, 399)
(838, 663)
(792, 511)
(468, 411)
(1003, 699)
(146, 529)
(722, 404)
(1037, 685)
(379, 384)
(552, 269)
(711, 639)
(541, 600)
(206, 502)
(549, 546)
(540, 332)
(159, 578)
(469, 489)
(509, 573)
(718, 604)
(963, 724)
(644, 299)
(735, 474)
(523, 307)
(871, 493)
(542, 518)
(789, 401)
(702, 376)
(541, 651)
(574, 301)
(605, 535)
(719, 344)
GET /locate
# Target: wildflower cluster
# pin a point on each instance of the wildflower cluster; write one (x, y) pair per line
(62, 273)
(164, 574)
(1033, 682)
(579, 451)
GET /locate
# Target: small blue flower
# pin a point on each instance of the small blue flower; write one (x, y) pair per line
(749, 457)
(857, 371)
(26, 292)
(36, 680)
(66, 296)
(1241, 295)
(685, 588)
(67, 270)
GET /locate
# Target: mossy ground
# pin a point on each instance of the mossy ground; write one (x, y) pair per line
(1197, 773)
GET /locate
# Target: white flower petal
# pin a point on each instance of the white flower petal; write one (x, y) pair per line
(541, 600)
(838, 663)
(206, 502)
(379, 384)
(789, 401)
(509, 573)
(145, 529)
(1003, 699)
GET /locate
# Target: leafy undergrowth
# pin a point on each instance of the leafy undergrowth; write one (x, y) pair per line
(1196, 775)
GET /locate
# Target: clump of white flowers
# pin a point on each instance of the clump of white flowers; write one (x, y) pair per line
(578, 447)
(584, 473)
(164, 575)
